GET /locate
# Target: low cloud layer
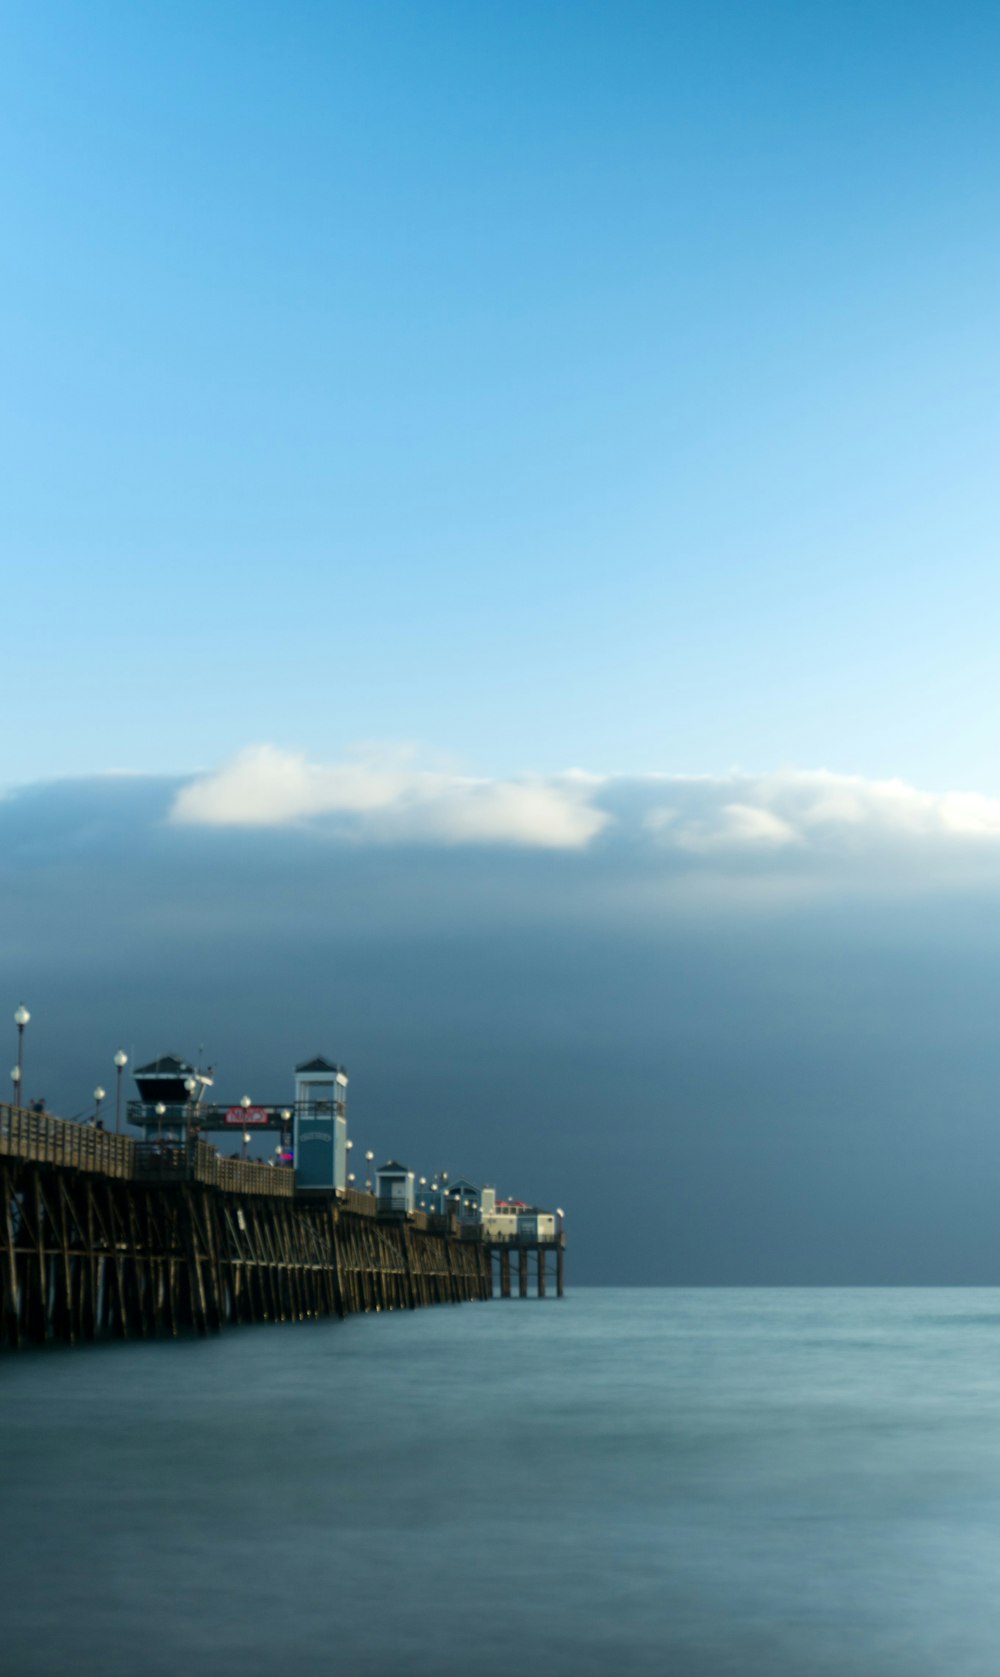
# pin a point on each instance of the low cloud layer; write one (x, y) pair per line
(789, 819)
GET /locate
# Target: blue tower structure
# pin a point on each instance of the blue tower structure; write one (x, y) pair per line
(321, 1125)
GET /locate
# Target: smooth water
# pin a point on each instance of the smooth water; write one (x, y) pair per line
(691, 1483)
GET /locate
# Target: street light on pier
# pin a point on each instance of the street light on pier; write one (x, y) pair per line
(121, 1061)
(190, 1084)
(286, 1118)
(160, 1109)
(21, 1018)
(99, 1095)
(370, 1178)
(246, 1142)
(15, 1084)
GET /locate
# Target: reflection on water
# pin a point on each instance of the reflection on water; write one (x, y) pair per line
(648, 1482)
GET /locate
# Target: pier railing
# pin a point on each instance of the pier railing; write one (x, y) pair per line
(355, 1199)
(58, 1141)
(44, 1139)
(197, 1162)
(558, 1239)
(247, 1176)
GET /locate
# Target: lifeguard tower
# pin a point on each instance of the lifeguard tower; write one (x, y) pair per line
(171, 1096)
(320, 1125)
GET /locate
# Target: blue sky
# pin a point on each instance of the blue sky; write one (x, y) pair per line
(546, 385)
(514, 487)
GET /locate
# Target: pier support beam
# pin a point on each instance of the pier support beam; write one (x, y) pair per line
(522, 1272)
(541, 1272)
(560, 1268)
(505, 1274)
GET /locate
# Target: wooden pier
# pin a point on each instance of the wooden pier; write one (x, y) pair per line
(106, 1237)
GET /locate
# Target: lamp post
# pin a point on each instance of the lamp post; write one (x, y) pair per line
(370, 1178)
(15, 1084)
(190, 1084)
(160, 1109)
(21, 1018)
(246, 1142)
(121, 1061)
(286, 1118)
(99, 1095)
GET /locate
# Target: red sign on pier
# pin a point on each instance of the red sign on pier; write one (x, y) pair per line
(247, 1115)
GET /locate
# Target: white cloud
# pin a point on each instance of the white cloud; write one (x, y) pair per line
(735, 826)
(265, 787)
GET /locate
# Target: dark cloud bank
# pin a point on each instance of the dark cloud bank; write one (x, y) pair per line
(735, 1072)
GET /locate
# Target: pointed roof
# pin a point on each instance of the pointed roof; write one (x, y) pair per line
(168, 1065)
(392, 1164)
(318, 1063)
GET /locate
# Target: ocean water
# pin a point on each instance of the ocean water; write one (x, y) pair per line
(679, 1483)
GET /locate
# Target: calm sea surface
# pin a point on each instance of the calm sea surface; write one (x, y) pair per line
(690, 1483)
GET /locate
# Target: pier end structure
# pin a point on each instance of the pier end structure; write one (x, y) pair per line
(507, 1226)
